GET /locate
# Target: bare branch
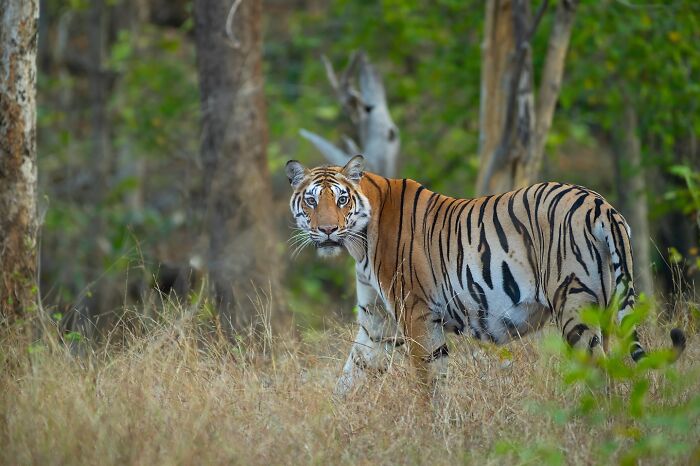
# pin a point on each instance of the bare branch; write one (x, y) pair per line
(538, 18)
(367, 108)
(330, 73)
(346, 93)
(233, 42)
(351, 145)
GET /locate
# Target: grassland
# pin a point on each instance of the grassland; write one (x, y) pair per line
(180, 393)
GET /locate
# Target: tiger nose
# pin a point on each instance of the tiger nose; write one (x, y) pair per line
(328, 229)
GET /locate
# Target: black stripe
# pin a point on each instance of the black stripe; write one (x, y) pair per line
(374, 183)
(449, 226)
(469, 224)
(436, 217)
(483, 209)
(398, 240)
(510, 285)
(414, 215)
(497, 224)
(574, 335)
(371, 338)
(441, 352)
(478, 295)
(485, 250)
(460, 255)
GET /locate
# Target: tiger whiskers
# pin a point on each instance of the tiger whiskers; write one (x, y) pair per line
(299, 240)
(355, 241)
(356, 238)
(303, 243)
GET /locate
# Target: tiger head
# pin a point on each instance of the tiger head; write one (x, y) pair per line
(328, 205)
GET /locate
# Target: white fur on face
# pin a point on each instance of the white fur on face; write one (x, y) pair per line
(327, 252)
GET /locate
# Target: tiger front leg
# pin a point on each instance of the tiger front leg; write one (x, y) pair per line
(376, 339)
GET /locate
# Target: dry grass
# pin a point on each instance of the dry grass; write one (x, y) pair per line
(176, 396)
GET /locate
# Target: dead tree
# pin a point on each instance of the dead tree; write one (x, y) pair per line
(632, 188)
(19, 23)
(368, 111)
(513, 124)
(241, 259)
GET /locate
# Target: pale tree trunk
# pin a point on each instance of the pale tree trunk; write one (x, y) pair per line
(242, 263)
(506, 94)
(633, 201)
(513, 126)
(550, 85)
(18, 172)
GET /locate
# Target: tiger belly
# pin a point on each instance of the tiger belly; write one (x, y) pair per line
(503, 322)
(503, 307)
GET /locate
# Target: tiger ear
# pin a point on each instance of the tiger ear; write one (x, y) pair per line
(353, 170)
(295, 173)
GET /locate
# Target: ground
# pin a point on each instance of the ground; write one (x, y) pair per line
(178, 394)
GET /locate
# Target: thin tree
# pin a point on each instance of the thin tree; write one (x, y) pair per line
(514, 122)
(19, 21)
(242, 261)
(632, 189)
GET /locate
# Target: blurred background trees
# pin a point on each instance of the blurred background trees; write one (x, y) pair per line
(241, 260)
(141, 160)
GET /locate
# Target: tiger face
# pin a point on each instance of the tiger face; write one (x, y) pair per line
(328, 205)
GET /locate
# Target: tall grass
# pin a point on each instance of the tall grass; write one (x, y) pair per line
(181, 393)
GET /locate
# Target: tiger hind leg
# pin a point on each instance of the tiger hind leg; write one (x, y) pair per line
(571, 297)
(427, 346)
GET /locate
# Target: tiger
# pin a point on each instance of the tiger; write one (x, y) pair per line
(494, 268)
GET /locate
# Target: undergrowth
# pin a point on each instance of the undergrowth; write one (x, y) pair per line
(183, 393)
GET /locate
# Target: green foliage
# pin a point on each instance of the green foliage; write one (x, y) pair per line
(73, 337)
(321, 289)
(687, 198)
(156, 103)
(645, 56)
(532, 453)
(428, 54)
(645, 411)
(152, 115)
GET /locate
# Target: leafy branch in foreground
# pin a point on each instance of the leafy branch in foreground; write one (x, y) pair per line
(646, 410)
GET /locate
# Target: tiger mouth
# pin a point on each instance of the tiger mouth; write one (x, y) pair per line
(327, 244)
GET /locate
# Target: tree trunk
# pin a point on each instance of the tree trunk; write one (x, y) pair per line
(498, 56)
(18, 172)
(513, 128)
(550, 84)
(242, 262)
(633, 199)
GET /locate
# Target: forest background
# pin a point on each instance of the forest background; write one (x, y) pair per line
(119, 131)
(150, 208)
